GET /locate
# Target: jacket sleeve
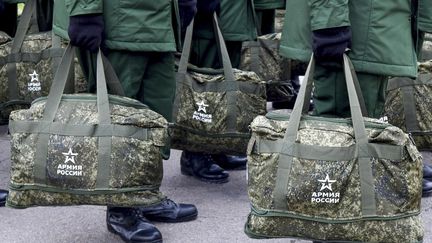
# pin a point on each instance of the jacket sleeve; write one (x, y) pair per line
(328, 13)
(425, 15)
(79, 7)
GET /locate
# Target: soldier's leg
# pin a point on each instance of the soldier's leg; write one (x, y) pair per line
(266, 20)
(8, 18)
(150, 78)
(205, 53)
(330, 93)
(158, 84)
(373, 89)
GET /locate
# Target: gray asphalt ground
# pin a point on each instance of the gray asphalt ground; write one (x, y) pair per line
(222, 212)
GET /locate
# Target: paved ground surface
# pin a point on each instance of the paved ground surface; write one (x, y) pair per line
(222, 212)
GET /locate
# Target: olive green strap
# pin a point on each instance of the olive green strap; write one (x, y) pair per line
(358, 91)
(410, 109)
(51, 106)
(314, 152)
(367, 187)
(56, 45)
(21, 31)
(80, 130)
(112, 81)
(245, 87)
(104, 143)
(422, 79)
(255, 56)
(284, 161)
(97, 191)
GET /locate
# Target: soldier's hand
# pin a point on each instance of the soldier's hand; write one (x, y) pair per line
(208, 6)
(85, 31)
(330, 44)
(187, 9)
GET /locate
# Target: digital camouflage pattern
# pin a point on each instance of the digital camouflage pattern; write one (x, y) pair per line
(201, 121)
(409, 230)
(422, 92)
(262, 57)
(34, 79)
(136, 163)
(339, 216)
(4, 37)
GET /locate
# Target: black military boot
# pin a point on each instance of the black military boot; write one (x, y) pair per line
(230, 162)
(3, 197)
(131, 226)
(169, 211)
(203, 167)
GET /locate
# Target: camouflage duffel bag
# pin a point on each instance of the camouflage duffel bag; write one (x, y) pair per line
(85, 149)
(408, 106)
(262, 57)
(27, 66)
(213, 108)
(332, 179)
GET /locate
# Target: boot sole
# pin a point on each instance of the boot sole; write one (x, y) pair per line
(110, 229)
(184, 219)
(189, 173)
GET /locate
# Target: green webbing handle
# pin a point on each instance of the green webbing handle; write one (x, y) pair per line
(52, 105)
(226, 62)
(365, 168)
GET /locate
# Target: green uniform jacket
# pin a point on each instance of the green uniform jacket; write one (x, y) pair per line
(133, 25)
(425, 15)
(381, 32)
(269, 4)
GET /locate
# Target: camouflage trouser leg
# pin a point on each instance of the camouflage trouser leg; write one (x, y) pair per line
(145, 76)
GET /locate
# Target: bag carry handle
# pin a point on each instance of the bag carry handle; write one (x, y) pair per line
(104, 117)
(105, 75)
(365, 168)
(226, 62)
(230, 84)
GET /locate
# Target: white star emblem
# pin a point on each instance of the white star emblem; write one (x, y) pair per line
(70, 156)
(34, 76)
(202, 106)
(326, 183)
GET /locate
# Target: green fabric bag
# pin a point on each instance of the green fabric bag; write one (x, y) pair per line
(85, 148)
(408, 106)
(333, 179)
(28, 64)
(213, 108)
(262, 57)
